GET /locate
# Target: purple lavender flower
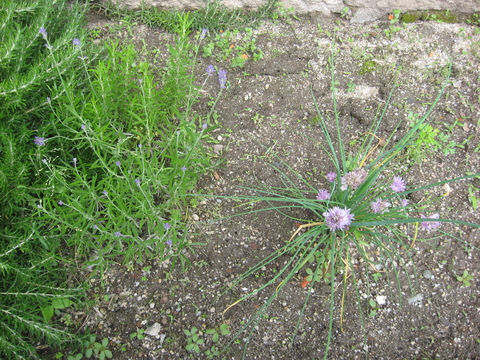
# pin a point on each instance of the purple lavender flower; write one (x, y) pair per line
(167, 226)
(323, 195)
(222, 78)
(95, 227)
(45, 161)
(43, 31)
(118, 163)
(49, 100)
(379, 205)
(354, 179)
(338, 219)
(204, 126)
(84, 127)
(60, 202)
(49, 47)
(76, 42)
(398, 184)
(404, 202)
(105, 192)
(169, 242)
(430, 225)
(210, 70)
(118, 233)
(40, 141)
(331, 176)
(183, 168)
(137, 181)
(203, 33)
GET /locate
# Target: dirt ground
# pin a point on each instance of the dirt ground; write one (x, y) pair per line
(267, 111)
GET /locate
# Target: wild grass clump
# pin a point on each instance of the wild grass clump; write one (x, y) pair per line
(364, 209)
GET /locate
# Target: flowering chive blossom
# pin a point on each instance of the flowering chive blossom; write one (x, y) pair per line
(76, 42)
(167, 226)
(210, 70)
(338, 219)
(354, 179)
(40, 141)
(430, 225)
(222, 78)
(331, 176)
(398, 184)
(404, 202)
(323, 195)
(379, 205)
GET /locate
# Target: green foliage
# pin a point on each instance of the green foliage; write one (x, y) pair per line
(214, 16)
(193, 340)
(93, 348)
(465, 278)
(138, 334)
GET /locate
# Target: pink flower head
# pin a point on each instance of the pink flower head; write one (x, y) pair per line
(354, 179)
(338, 219)
(398, 184)
(430, 225)
(331, 176)
(323, 195)
(379, 205)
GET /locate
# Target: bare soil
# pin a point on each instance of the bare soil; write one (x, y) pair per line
(267, 111)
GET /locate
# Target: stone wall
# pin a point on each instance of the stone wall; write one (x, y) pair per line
(362, 10)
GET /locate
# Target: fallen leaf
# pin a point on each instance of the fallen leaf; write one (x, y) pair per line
(304, 282)
(216, 176)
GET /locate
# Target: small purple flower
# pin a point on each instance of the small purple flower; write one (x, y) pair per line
(137, 181)
(323, 195)
(331, 176)
(210, 70)
(183, 168)
(404, 202)
(338, 219)
(76, 42)
(40, 141)
(45, 161)
(430, 225)
(43, 31)
(82, 57)
(398, 184)
(379, 205)
(118, 233)
(169, 242)
(222, 78)
(204, 126)
(95, 227)
(60, 202)
(167, 226)
(105, 192)
(203, 33)
(39, 206)
(49, 100)
(49, 47)
(83, 127)
(354, 179)
(118, 163)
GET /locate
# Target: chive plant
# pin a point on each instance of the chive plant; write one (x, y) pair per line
(363, 208)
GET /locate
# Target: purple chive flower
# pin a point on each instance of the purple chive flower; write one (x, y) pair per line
(167, 226)
(76, 42)
(43, 31)
(331, 176)
(40, 141)
(379, 205)
(210, 70)
(169, 242)
(183, 168)
(404, 202)
(203, 33)
(430, 225)
(222, 78)
(137, 181)
(398, 184)
(354, 179)
(60, 202)
(323, 195)
(338, 219)
(118, 163)
(118, 233)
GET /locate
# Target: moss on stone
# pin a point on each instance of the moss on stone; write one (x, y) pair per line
(434, 15)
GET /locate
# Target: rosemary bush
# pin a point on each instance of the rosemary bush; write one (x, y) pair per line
(364, 209)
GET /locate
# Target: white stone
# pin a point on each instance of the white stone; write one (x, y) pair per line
(153, 330)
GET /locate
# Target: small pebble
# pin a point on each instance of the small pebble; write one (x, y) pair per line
(427, 274)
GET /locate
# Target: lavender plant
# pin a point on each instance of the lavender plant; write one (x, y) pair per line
(364, 208)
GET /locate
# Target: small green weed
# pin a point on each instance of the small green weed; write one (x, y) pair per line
(94, 348)
(472, 190)
(465, 278)
(193, 341)
(138, 334)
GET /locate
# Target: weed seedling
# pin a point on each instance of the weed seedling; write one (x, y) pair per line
(465, 278)
(193, 341)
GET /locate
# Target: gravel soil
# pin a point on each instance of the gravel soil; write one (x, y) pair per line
(267, 114)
